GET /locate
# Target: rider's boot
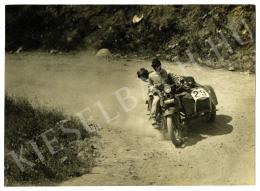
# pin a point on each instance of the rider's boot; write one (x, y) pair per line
(154, 123)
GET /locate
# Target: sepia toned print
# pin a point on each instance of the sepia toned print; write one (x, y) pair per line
(133, 95)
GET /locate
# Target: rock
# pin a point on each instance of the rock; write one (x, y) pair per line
(247, 72)
(244, 31)
(54, 51)
(19, 50)
(63, 159)
(172, 46)
(104, 52)
(199, 60)
(231, 68)
(137, 19)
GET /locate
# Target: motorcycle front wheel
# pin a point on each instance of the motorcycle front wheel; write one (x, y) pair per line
(173, 131)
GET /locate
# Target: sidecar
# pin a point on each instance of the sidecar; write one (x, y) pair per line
(199, 101)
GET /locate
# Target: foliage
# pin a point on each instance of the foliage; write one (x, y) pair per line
(24, 123)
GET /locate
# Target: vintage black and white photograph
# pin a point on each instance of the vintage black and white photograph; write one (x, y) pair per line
(129, 95)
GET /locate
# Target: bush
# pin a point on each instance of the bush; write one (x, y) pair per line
(23, 123)
(165, 30)
(42, 26)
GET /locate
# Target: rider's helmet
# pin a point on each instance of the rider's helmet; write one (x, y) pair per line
(143, 73)
(156, 63)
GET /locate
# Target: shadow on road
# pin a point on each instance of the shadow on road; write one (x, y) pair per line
(201, 130)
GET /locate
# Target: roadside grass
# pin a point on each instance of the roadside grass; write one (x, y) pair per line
(74, 148)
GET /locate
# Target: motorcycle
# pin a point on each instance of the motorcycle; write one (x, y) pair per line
(177, 108)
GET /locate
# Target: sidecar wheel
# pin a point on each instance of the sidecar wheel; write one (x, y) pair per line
(212, 115)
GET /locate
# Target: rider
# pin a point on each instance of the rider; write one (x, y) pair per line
(157, 78)
(154, 80)
(143, 74)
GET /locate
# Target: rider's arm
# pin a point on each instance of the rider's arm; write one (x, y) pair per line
(150, 86)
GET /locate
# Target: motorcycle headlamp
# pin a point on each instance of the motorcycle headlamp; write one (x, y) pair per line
(167, 89)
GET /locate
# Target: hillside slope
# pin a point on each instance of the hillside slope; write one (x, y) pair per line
(214, 35)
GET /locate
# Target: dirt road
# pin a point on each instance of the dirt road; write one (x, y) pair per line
(133, 153)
